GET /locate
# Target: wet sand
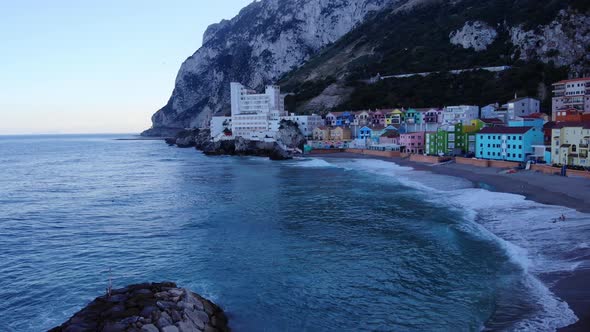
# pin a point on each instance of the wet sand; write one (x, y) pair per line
(571, 192)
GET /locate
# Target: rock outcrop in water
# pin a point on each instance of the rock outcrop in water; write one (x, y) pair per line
(289, 138)
(155, 307)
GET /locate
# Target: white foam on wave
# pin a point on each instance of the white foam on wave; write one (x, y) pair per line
(524, 229)
(311, 163)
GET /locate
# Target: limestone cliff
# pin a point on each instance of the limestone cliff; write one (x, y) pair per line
(266, 40)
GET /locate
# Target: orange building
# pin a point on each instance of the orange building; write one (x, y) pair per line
(571, 115)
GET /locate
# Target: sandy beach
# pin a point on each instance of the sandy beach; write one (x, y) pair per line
(569, 192)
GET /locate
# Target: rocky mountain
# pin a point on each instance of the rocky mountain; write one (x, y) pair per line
(542, 41)
(266, 40)
(329, 55)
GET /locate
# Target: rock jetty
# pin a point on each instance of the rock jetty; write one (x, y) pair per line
(289, 138)
(149, 307)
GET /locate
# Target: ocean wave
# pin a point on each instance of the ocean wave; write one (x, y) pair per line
(311, 163)
(525, 230)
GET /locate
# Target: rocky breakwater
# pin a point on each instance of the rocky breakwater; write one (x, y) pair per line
(155, 307)
(288, 139)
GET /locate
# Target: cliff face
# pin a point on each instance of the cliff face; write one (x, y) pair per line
(267, 39)
(542, 41)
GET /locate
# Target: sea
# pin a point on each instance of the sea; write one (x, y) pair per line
(308, 244)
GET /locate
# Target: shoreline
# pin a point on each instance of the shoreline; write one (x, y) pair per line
(570, 192)
(571, 287)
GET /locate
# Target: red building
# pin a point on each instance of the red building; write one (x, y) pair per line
(571, 115)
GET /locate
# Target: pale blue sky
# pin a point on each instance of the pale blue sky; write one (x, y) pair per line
(81, 66)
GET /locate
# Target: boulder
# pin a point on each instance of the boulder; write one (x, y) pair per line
(143, 308)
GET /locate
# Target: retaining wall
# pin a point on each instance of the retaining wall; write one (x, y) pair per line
(386, 154)
(473, 162)
(419, 158)
(325, 151)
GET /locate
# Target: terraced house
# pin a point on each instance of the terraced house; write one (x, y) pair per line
(569, 144)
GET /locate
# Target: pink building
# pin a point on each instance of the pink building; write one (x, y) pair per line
(389, 137)
(412, 142)
(377, 118)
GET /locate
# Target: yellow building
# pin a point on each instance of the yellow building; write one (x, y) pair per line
(321, 133)
(569, 144)
(340, 134)
(394, 117)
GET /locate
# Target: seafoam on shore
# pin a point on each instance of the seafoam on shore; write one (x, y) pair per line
(530, 233)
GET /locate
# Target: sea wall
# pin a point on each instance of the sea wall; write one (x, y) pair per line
(503, 164)
(386, 154)
(547, 169)
(419, 158)
(325, 151)
(486, 162)
(472, 162)
(149, 307)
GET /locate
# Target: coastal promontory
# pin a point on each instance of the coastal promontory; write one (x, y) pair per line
(148, 307)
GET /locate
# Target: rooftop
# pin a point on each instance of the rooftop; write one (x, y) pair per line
(533, 116)
(559, 125)
(519, 99)
(582, 79)
(492, 121)
(505, 130)
(390, 134)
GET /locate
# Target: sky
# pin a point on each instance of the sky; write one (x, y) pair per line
(95, 66)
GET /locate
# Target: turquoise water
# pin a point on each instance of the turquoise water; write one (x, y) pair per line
(309, 244)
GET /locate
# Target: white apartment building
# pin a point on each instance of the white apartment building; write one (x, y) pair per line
(463, 114)
(256, 116)
(522, 107)
(571, 94)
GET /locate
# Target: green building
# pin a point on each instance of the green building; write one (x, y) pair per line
(452, 140)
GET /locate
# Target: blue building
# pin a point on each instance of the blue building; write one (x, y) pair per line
(374, 133)
(527, 122)
(365, 133)
(344, 119)
(508, 143)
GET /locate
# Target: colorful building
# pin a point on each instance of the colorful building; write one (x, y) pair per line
(412, 142)
(412, 116)
(390, 137)
(340, 134)
(362, 118)
(571, 115)
(394, 117)
(452, 140)
(321, 133)
(377, 118)
(569, 144)
(508, 143)
(331, 118)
